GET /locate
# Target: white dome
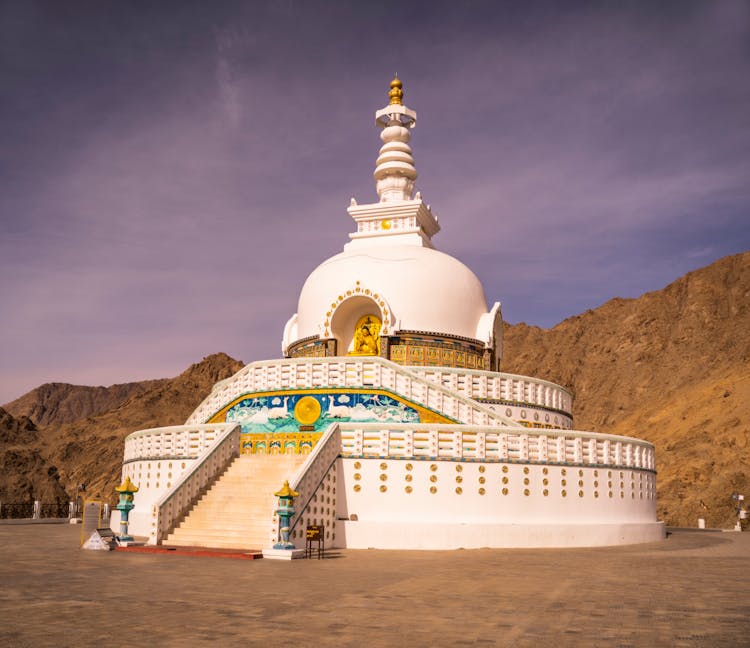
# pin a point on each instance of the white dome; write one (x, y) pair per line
(420, 288)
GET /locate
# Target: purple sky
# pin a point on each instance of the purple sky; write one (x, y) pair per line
(171, 172)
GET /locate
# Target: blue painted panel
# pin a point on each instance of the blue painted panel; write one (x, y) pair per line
(276, 413)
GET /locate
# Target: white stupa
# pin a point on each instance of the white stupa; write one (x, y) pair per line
(389, 416)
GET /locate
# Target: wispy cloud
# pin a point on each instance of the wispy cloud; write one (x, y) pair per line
(168, 179)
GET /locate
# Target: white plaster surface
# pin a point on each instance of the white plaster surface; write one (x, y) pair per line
(424, 535)
(427, 289)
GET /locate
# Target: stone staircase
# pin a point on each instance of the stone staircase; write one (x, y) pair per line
(236, 511)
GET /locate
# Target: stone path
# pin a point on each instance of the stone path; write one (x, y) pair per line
(690, 590)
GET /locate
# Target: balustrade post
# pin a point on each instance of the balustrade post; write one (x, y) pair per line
(578, 450)
(592, 451)
(409, 443)
(523, 447)
(481, 451)
(458, 438)
(385, 436)
(433, 441)
(502, 446)
(542, 445)
(561, 458)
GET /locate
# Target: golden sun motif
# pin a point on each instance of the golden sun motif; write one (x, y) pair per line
(307, 410)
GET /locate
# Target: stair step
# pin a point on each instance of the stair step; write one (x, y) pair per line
(237, 511)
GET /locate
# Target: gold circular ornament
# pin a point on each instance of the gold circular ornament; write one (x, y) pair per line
(383, 488)
(433, 478)
(505, 491)
(357, 476)
(459, 468)
(459, 490)
(481, 491)
(526, 492)
(433, 489)
(408, 489)
(505, 469)
(383, 466)
(481, 469)
(385, 224)
(433, 467)
(357, 465)
(408, 478)
(409, 466)
(357, 488)
(459, 479)
(383, 477)
(482, 480)
(307, 410)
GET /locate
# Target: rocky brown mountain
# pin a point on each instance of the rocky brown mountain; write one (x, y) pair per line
(25, 475)
(89, 450)
(54, 403)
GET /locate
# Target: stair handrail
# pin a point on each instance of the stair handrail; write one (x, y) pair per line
(314, 470)
(173, 505)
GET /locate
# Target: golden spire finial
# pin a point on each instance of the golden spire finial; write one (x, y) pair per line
(396, 93)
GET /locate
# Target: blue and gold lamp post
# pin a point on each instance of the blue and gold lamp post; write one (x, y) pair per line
(125, 505)
(285, 511)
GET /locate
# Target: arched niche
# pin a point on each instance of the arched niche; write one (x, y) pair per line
(348, 315)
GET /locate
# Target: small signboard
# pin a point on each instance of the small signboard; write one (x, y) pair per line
(314, 533)
(101, 540)
(92, 518)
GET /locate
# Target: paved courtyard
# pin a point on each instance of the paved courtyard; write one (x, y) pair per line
(690, 590)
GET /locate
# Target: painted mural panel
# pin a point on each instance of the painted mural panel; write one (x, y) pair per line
(281, 413)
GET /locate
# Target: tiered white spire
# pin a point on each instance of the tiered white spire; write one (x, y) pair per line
(399, 218)
(394, 171)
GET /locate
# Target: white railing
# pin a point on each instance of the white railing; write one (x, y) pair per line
(310, 477)
(500, 386)
(172, 507)
(346, 371)
(402, 440)
(178, 441)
